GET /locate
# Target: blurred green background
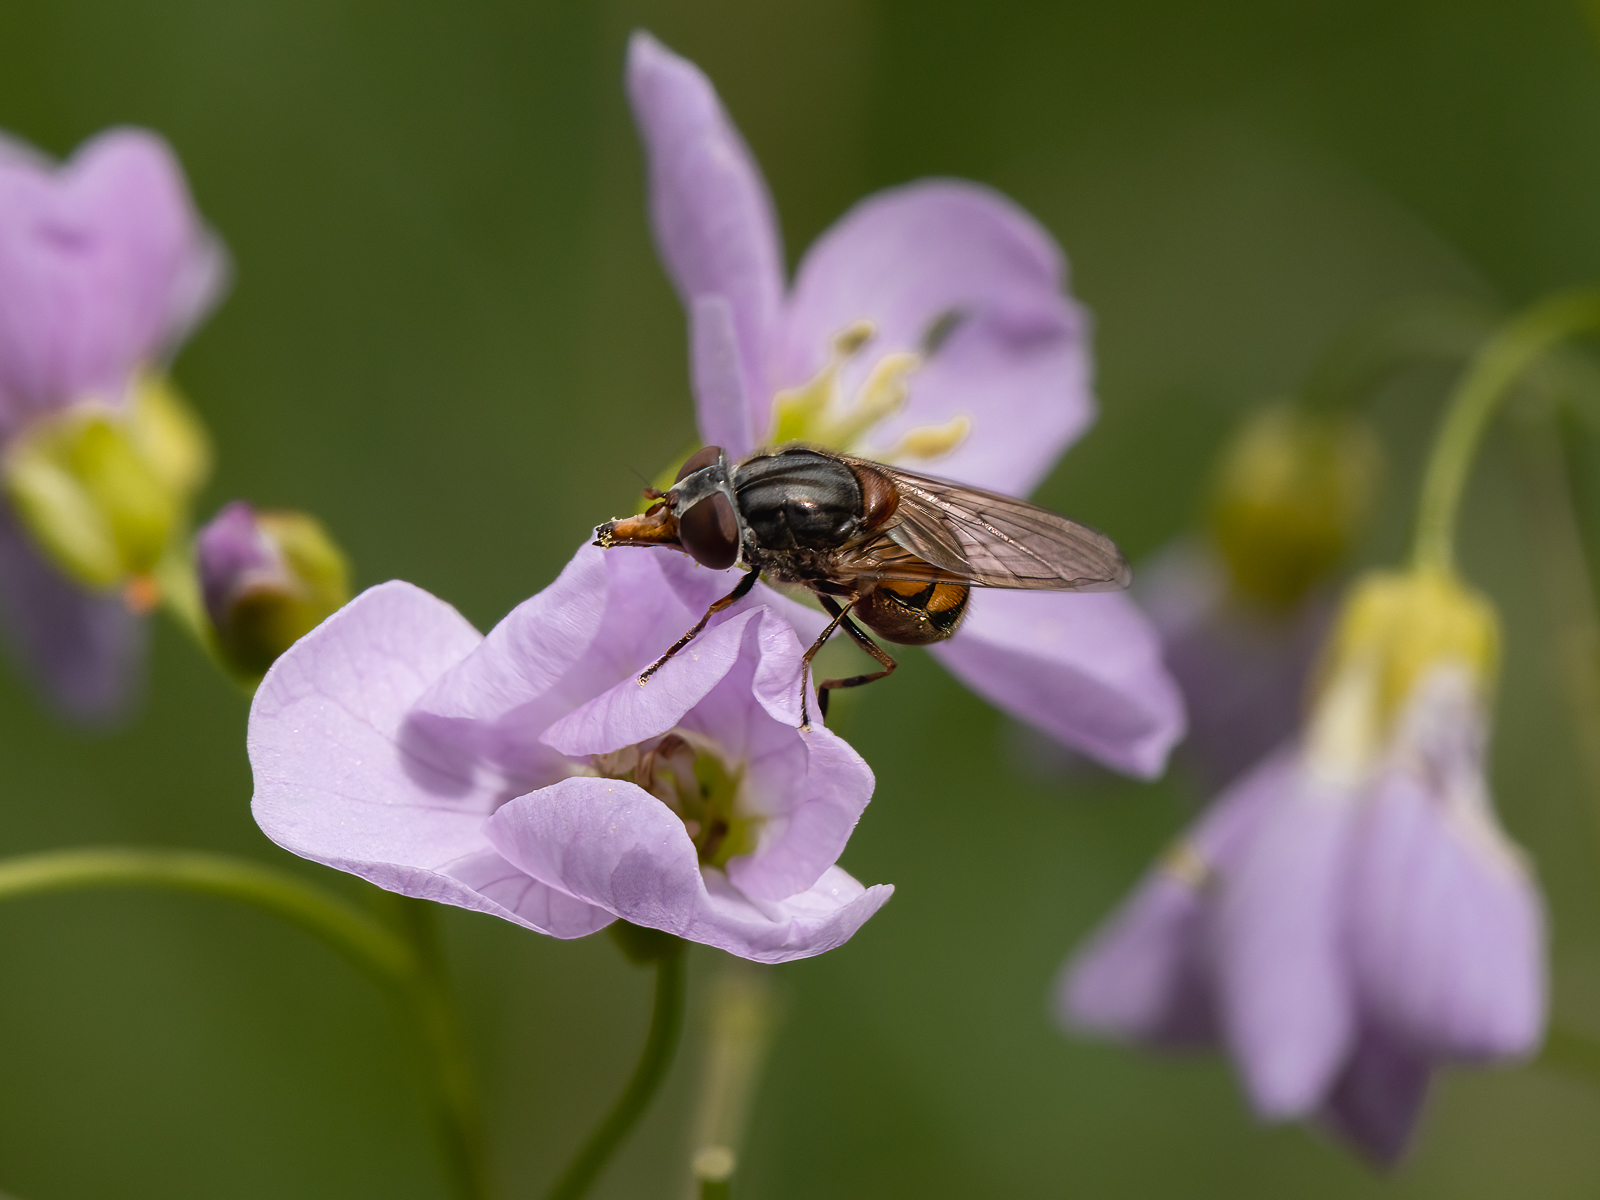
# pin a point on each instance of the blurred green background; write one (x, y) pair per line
(449, 337)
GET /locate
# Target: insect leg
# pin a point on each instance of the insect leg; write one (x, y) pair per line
(861, 639)
(838, 616)
(733, 597)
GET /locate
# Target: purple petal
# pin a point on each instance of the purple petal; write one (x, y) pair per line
(1084, 668)
(609, 615)
(339, 781)
(631, 712)
(1242, 670)
(1144, 975)
(1378, 1097)
(809, 786)
(1016, 361)
(84, 649)
(714, 222)
(233, 554)
(616, 846)
(1283, 986)
(105, 264)
(737, 687)
(1447, 929)
(1141, 976)
(722, 400)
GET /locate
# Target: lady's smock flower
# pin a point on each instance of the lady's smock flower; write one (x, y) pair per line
(928, 328)
(1349, 914)
(104, 268)
(527, 774)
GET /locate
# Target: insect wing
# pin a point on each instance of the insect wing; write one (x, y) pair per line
(989, 540)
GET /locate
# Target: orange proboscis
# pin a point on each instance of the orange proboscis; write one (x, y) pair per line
(658, 527)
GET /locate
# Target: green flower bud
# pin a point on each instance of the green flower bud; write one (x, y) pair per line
(102, 490)
(1291, 493)
(267, 579)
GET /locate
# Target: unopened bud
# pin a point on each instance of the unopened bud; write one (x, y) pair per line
(1291, 494)
(102, 489)
(267, 579)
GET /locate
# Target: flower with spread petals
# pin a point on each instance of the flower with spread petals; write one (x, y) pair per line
(104, 269)
(1349, 914)
(929, 327)
(527, 774)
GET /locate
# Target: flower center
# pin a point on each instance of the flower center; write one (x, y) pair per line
(820, 413)
(694, 781)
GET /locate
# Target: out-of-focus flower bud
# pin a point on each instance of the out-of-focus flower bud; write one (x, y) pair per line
(102, 489)
(267, 579)
(1291, 494)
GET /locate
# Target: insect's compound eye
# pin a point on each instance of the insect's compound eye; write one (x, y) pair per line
(709, 532)
(698, 461)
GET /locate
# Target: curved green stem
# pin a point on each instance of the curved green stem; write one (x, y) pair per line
(666, 1023)
(437, 1034)
(363, 941)
(409, 967)
(1393, 339)
(1488, 379)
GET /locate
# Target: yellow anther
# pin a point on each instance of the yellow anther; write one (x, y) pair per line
(929, 441)
(817, 413)
(882, 395)
(848, 343)
(1187, 865)
(802, 414)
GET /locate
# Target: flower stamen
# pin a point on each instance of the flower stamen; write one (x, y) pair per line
(818, 414)
(698, 785)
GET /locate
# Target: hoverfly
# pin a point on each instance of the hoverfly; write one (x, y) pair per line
(894, 550)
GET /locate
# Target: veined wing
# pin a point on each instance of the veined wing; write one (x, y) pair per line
(990, 540)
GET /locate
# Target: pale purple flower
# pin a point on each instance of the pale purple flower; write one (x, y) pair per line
(527, 774)
(104, 268)
(929, 327)
(1341, 928)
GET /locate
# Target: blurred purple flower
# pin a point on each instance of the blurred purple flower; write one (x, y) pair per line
(929, 323)
(1242, 667)
(104, 268)
(528, 775)
(1348, 915)
(1242, 615)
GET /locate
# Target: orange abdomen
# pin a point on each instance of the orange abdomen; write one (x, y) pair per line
(914, 613)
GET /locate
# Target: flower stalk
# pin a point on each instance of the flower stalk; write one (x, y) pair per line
(1500, 364)
(741, 1021)
(436, 1034)
(408, 966)
(1562, 558)
(666, 1024)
